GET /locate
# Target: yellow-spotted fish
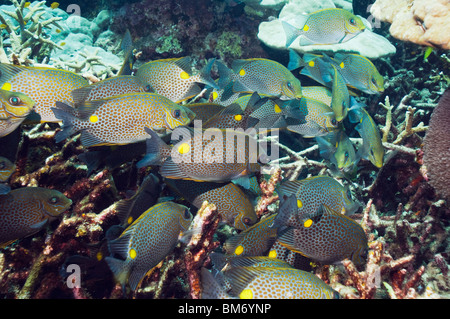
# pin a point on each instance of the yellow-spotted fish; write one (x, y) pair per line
(372, 148)
(266, 283)
(114, 86)
(43, 85)
(313, 191)
(147, 241)
(233, 205)
(172, 78)
(316, 118)
(120, 119)
(339, 150)
(326, 236)
(212, 155)
(6, 169)
(358, 72)
(319, 93)
(25, 211)
(14, 109)
(326, 26)
(264, 77)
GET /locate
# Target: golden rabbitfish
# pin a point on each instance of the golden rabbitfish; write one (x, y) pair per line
(319, 93)
(233, 205)
(315, 118)
(6, 169)
(120, 119)
(313, 191)
(266, 77)
(268, 279)
(114, 86)
(212, 155)
(325, 235)
(172, 78)
(25, 211)
(43, 85)
(326, 26)
(14, 109)
(147, 241)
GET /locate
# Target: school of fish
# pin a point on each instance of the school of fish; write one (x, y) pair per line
(208, 150)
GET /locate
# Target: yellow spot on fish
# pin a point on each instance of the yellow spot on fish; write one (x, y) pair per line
(308, 223)
(239, 250)
(54, 5)
(99, 256)
(133, 253)
(342, 65)
(93, 119)
(306, 27)
(6, 86)
(184, 148)
(129, 220)
(343, 210)
(273, 254)
(242, 72)
(215, 95)
(246, 294)
(277, 109)
(184, 75)
(299, 203)
(238, 118)
(311, 63)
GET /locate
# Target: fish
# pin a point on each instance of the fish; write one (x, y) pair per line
(339, 150)
(128, 210)
(113, 86)
(172, 78)
(54, 5)
(319, 93)
(326, 26)
(25, 211)
(6, 169)
(236, 117)
(316, 118)
(233, 205)
(146, 242)
(316, 190)
(43, 85)
(120, 119)
(326, 236)
(15, 107)
(372, 148)
(263, 76)
(127, 47)
(212, 155)
(358, 72)
(265, 283)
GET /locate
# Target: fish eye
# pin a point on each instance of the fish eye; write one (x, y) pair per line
(14, 100)
(349, 194)
(147, 88)
(334, 122)
(346, 155)
(176, 114)
(290, 87)
(53, 200)
(247, 221)
(187, 214)
(374, 81)
(352, 21)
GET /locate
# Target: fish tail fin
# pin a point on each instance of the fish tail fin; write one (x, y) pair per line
(288, 206)
(62, 112)
(205, 75)
(325, 147)
(211, 289)
(119, 269)
(295, 61)
(4, 189)
(291, 33)
(127, 48)
(92, 159)
(155, 149)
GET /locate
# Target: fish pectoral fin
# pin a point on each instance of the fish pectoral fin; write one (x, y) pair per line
(39, 225)
(170, 169)
(243, 181)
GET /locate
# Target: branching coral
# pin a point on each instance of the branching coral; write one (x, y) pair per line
(30, 30)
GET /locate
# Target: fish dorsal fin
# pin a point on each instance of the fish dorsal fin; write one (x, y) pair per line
(237, 65)
(80, 95)
(240, 277)
(288, 188)
(184, 64)
(87, 108)
(8, 71)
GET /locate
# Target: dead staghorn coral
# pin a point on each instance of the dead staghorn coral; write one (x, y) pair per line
(420, 21)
